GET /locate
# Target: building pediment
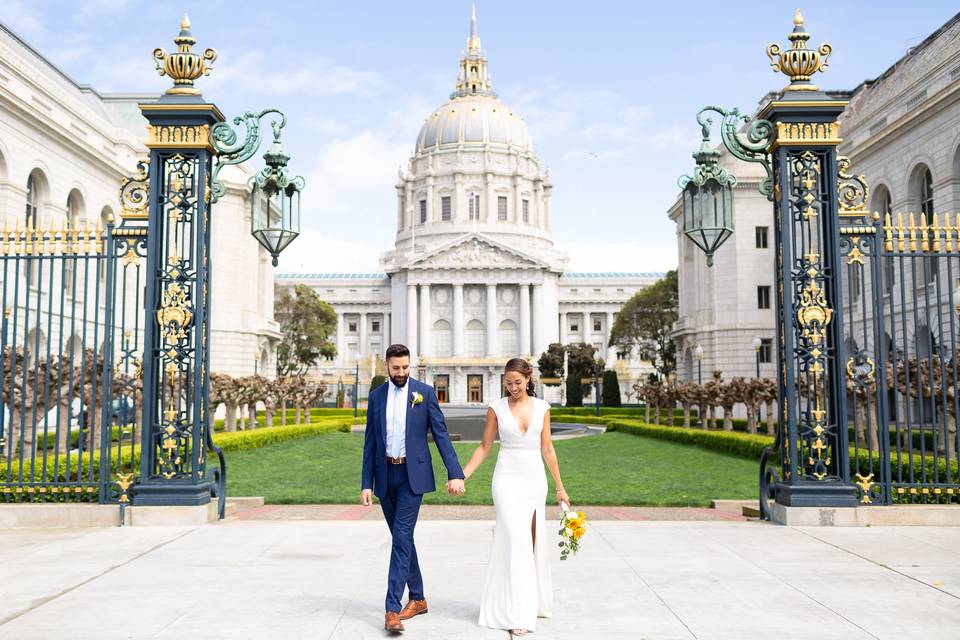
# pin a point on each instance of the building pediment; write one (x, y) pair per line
(476, 252)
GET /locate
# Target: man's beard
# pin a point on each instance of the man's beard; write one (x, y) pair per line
(399, 380)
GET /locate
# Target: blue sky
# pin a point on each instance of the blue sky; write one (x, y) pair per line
(609, 91)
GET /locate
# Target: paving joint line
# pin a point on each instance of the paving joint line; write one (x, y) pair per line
(45, 601)
(647, 585)
(881, 565)
(791, 585)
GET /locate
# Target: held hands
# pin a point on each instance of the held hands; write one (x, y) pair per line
(456, 487)
(562, 496)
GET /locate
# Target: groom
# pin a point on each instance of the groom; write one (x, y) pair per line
(397, 468)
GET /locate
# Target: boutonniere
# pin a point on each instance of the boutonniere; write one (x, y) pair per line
(415, 398)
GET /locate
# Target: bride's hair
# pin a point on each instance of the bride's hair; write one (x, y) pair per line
(522, 367)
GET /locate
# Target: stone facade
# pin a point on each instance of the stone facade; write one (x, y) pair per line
(74, 146)
(895, 128)
(474, 277)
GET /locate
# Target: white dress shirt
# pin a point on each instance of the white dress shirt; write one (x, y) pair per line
(399, 410)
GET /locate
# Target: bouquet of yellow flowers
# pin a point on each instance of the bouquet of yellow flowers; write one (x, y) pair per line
(573, 524)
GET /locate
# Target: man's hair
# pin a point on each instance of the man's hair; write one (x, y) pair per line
(397, 351)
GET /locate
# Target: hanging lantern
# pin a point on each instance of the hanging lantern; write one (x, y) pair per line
(708, 201)
(275, 203)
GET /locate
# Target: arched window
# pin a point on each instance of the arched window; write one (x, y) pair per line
(31, 217)
(926, 193)
(442, 337)
(476, 339)
(883, 204)
(509, 338)
(72, 222)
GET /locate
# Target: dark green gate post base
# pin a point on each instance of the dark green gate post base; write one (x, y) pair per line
(172, 495)
(823, 494)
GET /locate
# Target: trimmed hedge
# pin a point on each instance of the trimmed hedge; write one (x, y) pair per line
(57, 467)
(316, 412)
(751, 446)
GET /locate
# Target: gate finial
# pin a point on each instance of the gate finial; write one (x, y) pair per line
(185, 65)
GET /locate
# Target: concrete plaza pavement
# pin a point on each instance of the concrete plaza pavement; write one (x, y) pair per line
(325, 579)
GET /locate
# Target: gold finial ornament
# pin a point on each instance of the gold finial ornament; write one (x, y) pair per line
(185, 65)
(799, 62)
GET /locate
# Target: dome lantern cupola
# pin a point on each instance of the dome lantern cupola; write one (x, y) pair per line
(474, 78)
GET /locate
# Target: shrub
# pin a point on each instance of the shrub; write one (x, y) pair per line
(574, 391)
(611, 389)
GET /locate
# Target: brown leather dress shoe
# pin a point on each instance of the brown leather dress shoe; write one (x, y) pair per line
(413, 608)
(391, 622)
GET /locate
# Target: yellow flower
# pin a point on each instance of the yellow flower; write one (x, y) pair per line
(578, 533)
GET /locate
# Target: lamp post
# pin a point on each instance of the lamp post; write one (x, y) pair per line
(598, 365)
(698, 356)
(186, 135)
(356, 389)
(794, 137)
(757, 343)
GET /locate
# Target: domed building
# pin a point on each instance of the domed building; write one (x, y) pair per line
(474, 277)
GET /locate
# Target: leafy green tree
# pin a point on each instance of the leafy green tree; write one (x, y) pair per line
(306, 324)
(551, 361)
(646, 322)
(376, 381)
(611, 389)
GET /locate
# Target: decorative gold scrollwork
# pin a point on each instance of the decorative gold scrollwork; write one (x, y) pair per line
(134, 194)
(174, 315)
(124, 481)
(865, 484)
(813, 313)
(861, 369)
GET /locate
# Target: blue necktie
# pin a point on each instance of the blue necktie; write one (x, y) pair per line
(395, 440)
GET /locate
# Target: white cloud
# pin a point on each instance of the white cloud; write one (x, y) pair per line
(344, 168)
(316, 251)
(314, 75)
(620, 256)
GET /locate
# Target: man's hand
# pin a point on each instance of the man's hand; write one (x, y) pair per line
(366, 497)
(456, 487)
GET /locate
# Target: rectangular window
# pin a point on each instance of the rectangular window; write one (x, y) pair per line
(766, 350)
(375, 326)
(762, 233)
(574, 326)
(501, 208)
(445, 208)
(622, 355)
(473, 202)
(763, 297)
(597, 325)
(352, 326)
(423, 211)
(526, 211)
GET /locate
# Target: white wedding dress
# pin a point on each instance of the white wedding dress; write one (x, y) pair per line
(518, 588)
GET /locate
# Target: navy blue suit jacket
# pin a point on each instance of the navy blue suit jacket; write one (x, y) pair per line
(420, 418)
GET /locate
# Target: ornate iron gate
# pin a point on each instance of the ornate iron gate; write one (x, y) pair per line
(901, 318)
(70, 347)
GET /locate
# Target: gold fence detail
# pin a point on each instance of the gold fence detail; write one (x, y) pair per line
(50, 241)
(920, 235)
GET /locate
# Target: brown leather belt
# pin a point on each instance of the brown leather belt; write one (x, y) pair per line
(396, 460)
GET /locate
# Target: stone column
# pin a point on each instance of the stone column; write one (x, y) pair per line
(341, 338)
(564, 327)
(412, 321)
(458, 324)
(425, 323)
(611, 351)
(517, 206)
(429, 200)
(524, 319)
(538, 317)
(492, 348)
(363, 347)
(387, 336)
(491, 201)
(460, 211)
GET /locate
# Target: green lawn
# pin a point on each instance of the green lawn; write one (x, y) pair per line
(608, 469)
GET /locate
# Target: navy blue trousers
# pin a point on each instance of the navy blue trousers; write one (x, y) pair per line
(401, 506)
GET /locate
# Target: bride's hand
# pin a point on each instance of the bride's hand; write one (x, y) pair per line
(562, 497)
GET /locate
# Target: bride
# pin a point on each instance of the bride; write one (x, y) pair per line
(518, 587)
